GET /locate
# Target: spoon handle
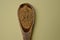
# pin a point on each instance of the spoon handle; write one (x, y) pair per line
(28, 35)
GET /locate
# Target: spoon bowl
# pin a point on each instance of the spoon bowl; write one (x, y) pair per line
(26, 16)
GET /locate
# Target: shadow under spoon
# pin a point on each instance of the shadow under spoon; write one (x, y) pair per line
(26, 16)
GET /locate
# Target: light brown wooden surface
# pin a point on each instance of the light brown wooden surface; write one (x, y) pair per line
(47, 26)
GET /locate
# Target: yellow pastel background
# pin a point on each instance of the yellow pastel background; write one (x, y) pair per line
(47, 25)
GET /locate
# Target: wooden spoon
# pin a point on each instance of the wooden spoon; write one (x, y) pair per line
(26, 16)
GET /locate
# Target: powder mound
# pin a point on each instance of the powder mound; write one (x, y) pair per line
(26, 15)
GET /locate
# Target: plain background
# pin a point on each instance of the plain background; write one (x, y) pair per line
(47, 26)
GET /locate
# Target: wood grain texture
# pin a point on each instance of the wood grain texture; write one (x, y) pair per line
(26, 16)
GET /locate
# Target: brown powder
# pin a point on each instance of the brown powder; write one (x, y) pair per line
(26, 16)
